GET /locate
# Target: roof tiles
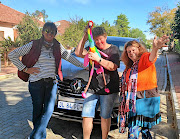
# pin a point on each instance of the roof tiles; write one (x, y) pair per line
(10, 15)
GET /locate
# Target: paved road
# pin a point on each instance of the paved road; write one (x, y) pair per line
(16, 112)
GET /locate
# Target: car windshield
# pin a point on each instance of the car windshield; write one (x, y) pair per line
(119, 44)
(118, 41)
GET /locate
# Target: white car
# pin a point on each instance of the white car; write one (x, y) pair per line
(164, 49)
(69, 101)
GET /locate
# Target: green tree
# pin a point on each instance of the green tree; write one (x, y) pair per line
(149, 43)
(111, 30)
(28, 29)
(176, 26)
(137, 33)
(106, 25)
(176, 29)
(6, 45)
(43, 12)
(122, 25)
(73, 34)
(161, 21)
(17, 42)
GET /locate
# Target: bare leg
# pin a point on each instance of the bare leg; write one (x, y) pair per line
(87, 127)
(105, 127)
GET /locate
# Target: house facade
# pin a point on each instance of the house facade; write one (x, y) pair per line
(9, 18)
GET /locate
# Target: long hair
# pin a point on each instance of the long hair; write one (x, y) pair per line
(124, 57)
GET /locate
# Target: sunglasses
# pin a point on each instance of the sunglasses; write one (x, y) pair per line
(49, 31)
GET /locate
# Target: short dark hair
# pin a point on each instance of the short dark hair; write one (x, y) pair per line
(51, 26)
(98, 31)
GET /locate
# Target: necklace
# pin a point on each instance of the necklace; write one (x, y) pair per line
(48, 44)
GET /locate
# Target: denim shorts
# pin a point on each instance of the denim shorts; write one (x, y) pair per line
(92, 102)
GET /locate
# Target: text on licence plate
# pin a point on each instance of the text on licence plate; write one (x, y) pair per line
(70, 105)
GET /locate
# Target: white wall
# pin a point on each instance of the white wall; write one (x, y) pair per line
(8, 32)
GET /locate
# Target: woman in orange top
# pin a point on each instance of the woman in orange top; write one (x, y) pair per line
(140, 105)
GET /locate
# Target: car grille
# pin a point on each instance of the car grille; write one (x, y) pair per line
(71, 87)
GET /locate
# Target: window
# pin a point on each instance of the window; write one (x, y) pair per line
(1, 35)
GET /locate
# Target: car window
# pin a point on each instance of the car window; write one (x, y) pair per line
(119, 44)
(86, 44)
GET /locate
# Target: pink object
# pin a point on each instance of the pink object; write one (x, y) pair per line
(107, 90)
(100, 70)
(105, 55)
(91, 73)
(84, 95)
(86, 60)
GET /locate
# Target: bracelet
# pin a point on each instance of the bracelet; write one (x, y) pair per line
(100, 60)
(25, 69)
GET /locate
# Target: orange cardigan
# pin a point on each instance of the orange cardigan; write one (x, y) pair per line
(146, 73)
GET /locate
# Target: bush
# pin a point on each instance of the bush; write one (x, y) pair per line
(177, 46)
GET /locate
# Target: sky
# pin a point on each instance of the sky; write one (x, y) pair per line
(136, 11)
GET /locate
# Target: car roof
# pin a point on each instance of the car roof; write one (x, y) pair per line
(119, 41)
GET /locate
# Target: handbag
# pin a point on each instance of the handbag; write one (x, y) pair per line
(23, 76)
(148, 107)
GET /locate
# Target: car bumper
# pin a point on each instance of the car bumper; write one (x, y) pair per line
(75, 115)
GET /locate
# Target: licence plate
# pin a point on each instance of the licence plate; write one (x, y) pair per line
(70, 106)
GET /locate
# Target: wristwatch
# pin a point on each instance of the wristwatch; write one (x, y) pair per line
(100, 60)
(25, 69)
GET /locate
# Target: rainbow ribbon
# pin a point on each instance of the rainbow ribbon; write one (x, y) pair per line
(92, 46)
(95, 65)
